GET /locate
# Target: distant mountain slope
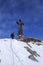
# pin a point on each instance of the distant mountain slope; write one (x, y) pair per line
(13, 52)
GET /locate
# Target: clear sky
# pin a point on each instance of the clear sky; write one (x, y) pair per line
(29, 11)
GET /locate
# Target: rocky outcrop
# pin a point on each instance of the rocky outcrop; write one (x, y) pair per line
(30, 39)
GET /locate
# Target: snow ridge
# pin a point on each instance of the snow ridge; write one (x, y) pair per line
(14, 52)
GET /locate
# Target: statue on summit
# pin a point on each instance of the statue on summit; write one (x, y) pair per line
(20, 23)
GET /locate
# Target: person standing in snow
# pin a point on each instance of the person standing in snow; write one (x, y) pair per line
(12, 35)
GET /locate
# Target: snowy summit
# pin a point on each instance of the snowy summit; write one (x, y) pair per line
(14, 52)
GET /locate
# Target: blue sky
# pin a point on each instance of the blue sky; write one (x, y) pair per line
(29, 11)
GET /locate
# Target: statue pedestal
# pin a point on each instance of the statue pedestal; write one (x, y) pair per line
(20, 37)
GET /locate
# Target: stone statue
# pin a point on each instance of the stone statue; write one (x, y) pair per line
(20, 23)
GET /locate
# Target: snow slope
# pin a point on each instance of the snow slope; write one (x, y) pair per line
(13, 52)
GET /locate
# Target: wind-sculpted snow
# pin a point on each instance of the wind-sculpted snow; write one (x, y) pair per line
(13, 52)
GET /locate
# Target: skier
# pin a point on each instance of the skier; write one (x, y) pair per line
(12, 35)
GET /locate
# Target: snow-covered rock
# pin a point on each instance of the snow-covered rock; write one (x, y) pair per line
(13, 52)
